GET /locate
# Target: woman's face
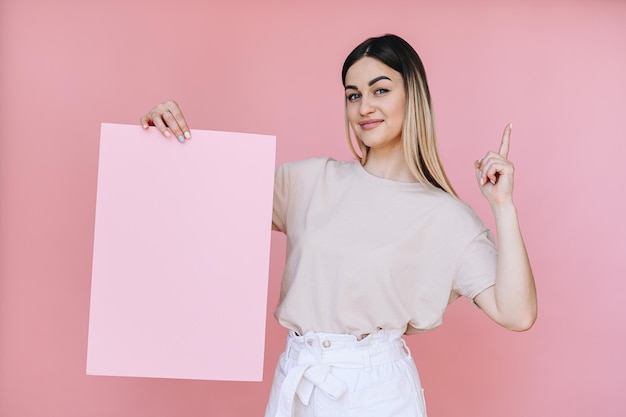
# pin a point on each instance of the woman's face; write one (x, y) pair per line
(375, 101)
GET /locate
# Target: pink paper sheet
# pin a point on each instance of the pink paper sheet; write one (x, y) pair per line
(181, 255)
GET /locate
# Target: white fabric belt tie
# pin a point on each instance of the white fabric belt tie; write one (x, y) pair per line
(314, 363)
(302, 379)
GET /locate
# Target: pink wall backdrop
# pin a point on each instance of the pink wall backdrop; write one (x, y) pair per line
(554, 68)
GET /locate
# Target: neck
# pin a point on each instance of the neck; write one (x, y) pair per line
(389, 165)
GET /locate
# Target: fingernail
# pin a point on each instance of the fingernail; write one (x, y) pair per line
(167, 134)
(480, 175)
(187, 135)
(181, 138)
(511, 125)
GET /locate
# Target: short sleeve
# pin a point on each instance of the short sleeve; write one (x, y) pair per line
(476, 270)
(281, 185)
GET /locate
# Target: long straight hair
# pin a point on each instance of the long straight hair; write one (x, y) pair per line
(419, 138)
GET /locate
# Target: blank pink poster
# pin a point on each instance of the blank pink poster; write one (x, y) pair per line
(181, 255)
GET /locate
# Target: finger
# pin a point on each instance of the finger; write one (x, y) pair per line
(492, 176)
(494, 169)
(174, 108)
(506, 141)
(158, 122)
(172, 123)
(483, 164)
(489, 173)
(145, 121)
(478, 170)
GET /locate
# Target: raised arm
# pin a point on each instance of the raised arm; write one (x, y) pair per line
(512, 301)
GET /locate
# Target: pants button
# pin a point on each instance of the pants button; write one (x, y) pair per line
(326, 343)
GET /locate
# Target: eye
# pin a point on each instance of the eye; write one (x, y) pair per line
(353, 97)
(380, 91)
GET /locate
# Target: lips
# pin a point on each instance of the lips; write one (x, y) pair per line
(370, 124)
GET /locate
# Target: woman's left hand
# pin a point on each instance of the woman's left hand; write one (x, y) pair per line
(494, 173)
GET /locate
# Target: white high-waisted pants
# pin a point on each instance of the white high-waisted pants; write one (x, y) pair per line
(336, 375)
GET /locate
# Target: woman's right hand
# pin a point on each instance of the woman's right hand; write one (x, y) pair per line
(167, 117)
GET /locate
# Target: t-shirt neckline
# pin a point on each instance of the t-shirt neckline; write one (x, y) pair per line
(373, 179)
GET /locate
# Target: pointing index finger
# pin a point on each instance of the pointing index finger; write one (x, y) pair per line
(506, 141)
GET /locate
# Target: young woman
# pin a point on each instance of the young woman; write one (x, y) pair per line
(378, 248)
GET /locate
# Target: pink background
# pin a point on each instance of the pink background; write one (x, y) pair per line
(554, 68)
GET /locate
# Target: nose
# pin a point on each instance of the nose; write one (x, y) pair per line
(365, 107)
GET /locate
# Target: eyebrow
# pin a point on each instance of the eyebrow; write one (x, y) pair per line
(371, 83)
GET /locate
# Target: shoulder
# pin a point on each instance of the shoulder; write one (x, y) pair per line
(312, 167)
(452, 205)
(455, 212)
(310, 163)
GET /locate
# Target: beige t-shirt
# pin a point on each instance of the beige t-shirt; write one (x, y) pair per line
(365, 253)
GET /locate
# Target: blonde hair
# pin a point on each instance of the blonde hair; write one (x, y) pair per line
(419, 138)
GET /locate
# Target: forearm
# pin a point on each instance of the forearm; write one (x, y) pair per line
(514, 291)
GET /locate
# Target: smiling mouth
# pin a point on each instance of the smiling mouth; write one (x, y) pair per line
(370, 124)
